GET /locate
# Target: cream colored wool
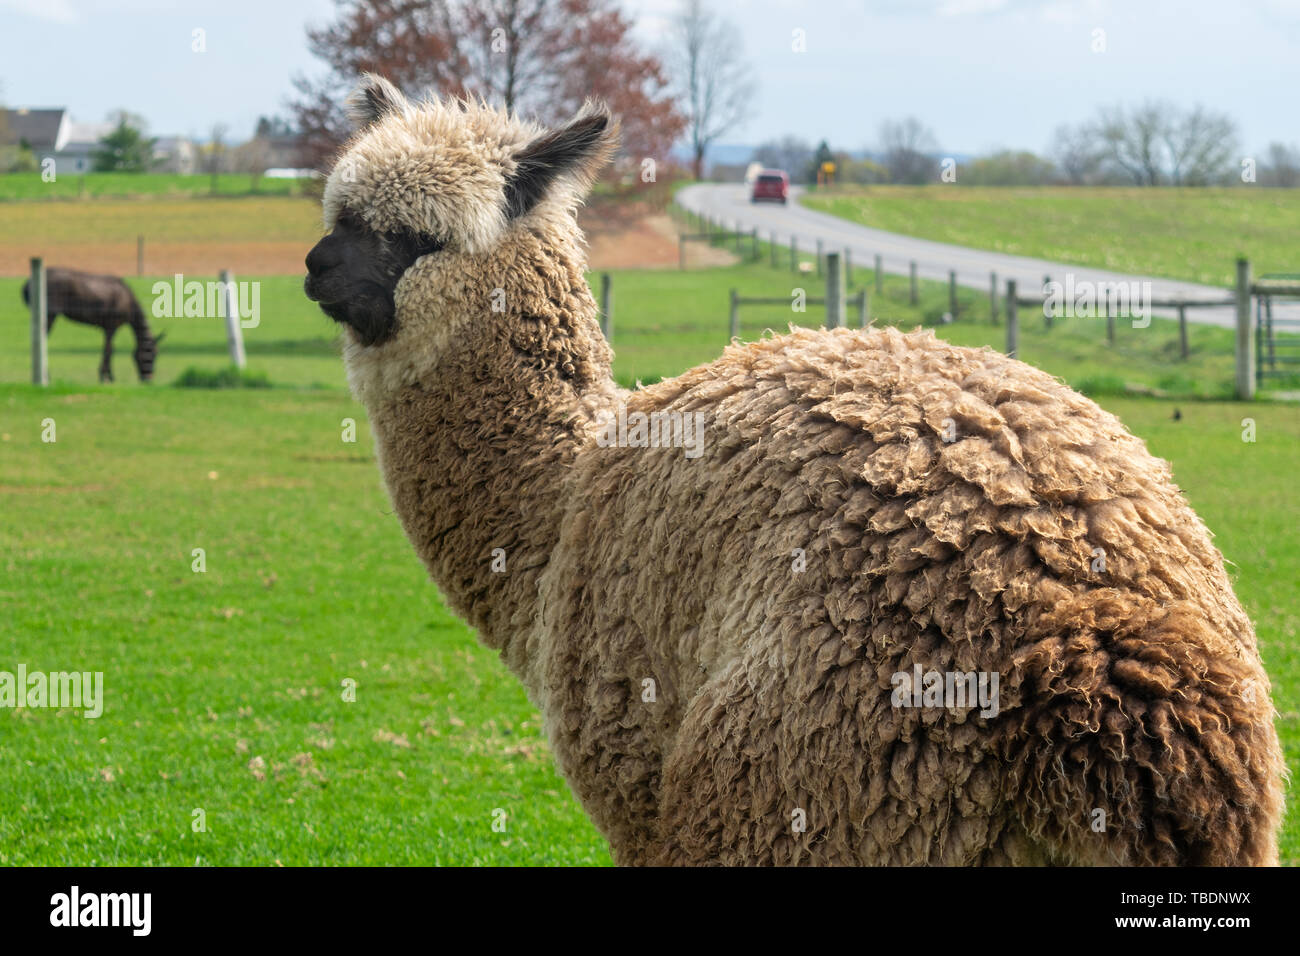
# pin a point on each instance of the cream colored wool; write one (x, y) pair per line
(1136, 690)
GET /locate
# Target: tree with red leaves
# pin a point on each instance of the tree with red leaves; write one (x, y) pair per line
(540, 58)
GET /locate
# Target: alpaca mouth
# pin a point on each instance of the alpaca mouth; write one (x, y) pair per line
(370, 313)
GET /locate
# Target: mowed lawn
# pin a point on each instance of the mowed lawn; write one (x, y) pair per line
(194, 236)
(664, 322)
(65, 185)
(1192, 234)
(225, 688)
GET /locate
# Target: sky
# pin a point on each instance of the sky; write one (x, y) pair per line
(982, 74)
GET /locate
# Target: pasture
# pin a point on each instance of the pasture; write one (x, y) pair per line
(27, 186)
(664, 322)
(200, 236)
(225, 688)
(1192, 234)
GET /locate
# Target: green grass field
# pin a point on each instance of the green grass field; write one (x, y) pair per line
(1193, 234)
(225, 688)
(27, 186)
(223, 219)
(664, 322)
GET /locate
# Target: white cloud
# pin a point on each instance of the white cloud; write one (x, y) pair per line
(59, 11)
(959, 8)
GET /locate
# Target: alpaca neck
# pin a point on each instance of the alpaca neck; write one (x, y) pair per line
(476, 452)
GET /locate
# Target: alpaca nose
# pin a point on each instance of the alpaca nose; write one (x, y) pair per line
(322, 257)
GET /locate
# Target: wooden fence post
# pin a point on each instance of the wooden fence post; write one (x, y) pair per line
(1013, 320)
(834, 291)
(734, 324)
(993, 297)
(911, 268)
(607, 306)
(753, 243)
(738, 236)
(139, 255)
(848, 268)
(880, 276)
(1047, 313)
(819, 257)
(40, 343)
(1182, 331)
(234, 332)
(1110, 326)
(863, 317)
(1245, 346)
(952, 293)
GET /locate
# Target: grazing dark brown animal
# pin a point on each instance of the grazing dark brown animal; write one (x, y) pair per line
(102, 301)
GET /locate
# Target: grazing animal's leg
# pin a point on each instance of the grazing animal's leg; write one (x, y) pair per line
(106, 362)
(49, 321)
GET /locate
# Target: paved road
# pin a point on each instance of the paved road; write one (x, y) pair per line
(729, 203)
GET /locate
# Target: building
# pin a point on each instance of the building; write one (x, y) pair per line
(175, 154)
(52, 134)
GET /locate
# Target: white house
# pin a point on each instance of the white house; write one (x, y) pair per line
(51, 133)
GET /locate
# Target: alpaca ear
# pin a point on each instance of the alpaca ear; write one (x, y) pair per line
(578, 149)
(373, 99)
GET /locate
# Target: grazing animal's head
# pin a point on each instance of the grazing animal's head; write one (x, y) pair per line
(434, 206)
(146, 353)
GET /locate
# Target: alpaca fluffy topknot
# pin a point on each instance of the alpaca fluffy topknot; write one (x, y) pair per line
(445, 168)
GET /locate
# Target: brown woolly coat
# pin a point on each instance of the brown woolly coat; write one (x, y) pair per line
(866, 501)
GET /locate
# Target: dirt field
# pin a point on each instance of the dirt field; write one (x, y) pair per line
(267, 236)
(160, 258)
(643, 242)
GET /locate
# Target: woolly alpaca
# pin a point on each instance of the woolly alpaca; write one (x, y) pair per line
(866, 503)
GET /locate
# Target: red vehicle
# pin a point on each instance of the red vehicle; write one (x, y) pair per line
(771, 184)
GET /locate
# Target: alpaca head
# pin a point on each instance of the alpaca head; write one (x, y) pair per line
(429, 195)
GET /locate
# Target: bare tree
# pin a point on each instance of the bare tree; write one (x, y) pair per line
(908, 149)
(1283, 167)
(716, 83)
(216, 151)
(253, 158)
(1157, 143)
(1134, 142)
(1076, 153)
(789, 153)
(1200, 146)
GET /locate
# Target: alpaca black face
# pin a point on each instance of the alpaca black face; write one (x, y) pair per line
(353, 273)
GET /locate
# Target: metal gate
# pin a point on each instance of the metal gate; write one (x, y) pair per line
(1277, 331)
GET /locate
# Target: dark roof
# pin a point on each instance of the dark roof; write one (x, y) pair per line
(39, 128)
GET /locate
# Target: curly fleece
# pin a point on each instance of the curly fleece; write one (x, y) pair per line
(866, 501)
